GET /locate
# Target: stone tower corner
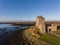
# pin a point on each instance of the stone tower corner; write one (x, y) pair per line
(40, 23)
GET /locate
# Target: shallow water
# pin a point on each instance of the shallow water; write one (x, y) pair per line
(6, 30)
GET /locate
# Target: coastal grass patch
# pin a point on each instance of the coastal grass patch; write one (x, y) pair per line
(50, 39)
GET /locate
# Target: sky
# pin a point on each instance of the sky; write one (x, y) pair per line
(29, 9)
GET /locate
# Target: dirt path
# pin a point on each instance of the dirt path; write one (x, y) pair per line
(55, 34)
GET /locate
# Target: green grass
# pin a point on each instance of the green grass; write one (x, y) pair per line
(50, 39)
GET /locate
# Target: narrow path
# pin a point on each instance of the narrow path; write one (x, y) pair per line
(54, 34)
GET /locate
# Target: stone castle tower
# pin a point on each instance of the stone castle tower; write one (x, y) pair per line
(40, 23)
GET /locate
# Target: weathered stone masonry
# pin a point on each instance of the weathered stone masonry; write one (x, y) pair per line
(47, 26)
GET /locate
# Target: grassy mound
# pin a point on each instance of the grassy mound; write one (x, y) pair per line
(33, 36)
(27, 37)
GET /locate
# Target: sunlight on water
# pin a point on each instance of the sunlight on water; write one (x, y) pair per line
(6, 30)
(9, 28)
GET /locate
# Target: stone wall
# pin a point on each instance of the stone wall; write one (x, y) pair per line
(53, 27)
(42, 25)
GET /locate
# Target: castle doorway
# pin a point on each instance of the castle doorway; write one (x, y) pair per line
(49, 30)
(58, 27)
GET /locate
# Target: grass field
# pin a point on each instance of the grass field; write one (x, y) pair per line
(50, 39)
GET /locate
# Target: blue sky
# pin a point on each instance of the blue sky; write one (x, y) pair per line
(29, 9)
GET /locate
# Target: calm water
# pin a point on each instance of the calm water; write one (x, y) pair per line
(6, 30)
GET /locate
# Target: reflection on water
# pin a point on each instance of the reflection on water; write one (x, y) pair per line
(6, 30)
